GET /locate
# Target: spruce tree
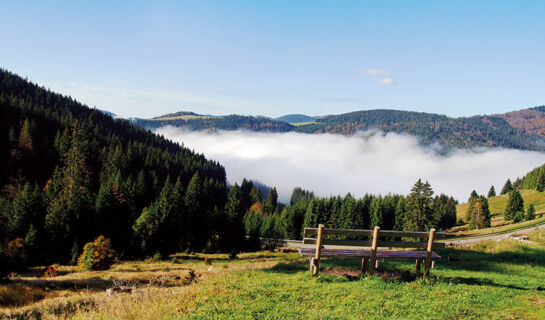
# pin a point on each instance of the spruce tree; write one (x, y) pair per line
(234, 213)
(515, 207)
(471, 201)
(540, 185)
(491, 192)
(507, 187)
(419, 207)
(196, 212)
(376, 213)
(530, 212)
(272, 201)
(255, 195)
(245, 190)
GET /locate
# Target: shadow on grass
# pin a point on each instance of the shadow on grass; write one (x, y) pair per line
(452, 260)
(471, 260)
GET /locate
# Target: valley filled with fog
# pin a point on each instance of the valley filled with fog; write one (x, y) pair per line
(368, 162)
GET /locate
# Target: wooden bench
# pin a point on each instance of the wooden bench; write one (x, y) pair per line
(369, 257)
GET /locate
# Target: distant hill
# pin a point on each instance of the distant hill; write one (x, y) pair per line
(296, 118)
(523, 129)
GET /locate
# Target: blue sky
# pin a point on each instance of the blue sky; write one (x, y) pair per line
(271, 58)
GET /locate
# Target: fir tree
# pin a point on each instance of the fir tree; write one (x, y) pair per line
(507, 187)
(530, 212)
(515, 207)
(418, 207)
(491, 192)
(255, 195)
(272, 201)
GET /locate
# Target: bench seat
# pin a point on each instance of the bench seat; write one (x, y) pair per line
(383, 254)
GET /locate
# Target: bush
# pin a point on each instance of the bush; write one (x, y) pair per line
(97, 255)
(157, 257)
(233, 254)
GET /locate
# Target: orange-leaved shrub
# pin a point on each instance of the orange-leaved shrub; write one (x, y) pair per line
(97, 255)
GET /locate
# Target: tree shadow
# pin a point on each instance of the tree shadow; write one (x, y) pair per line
(452, 260)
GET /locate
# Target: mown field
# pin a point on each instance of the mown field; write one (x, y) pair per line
(492, 280)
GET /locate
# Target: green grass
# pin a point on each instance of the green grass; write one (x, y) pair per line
(298, 124)
(492, 280)
(184, 117)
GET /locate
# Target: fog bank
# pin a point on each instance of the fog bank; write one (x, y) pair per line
(368, 162)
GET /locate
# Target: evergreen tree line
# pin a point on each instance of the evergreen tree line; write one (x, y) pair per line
(419, 211)
(69, 173)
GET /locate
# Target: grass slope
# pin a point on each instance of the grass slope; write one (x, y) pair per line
(497, 204)
(493, 280)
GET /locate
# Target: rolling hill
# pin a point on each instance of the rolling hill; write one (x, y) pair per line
(523, 129)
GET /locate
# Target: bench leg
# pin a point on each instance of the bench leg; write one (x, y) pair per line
(418, 265)
(377, 264)
(364, 264)
(311, 260)
(433, 264)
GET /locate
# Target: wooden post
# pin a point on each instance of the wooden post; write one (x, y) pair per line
(373, 259)
(318, 250)
(430, 248)
(418, 263)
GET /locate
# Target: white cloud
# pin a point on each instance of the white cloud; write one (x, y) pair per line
(374, 72)
(367, 162)
(387, 82)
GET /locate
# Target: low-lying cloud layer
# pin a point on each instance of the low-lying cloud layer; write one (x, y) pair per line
(332, 164)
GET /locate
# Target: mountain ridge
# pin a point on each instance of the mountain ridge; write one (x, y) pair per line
(519, 129)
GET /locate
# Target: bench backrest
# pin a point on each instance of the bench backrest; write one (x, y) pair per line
(431, 235)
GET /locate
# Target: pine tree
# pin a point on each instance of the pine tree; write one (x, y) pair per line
(444, 208)
(515, 207)
(252, 224)
(196, 212)
(376, 213)
(245, 190)
(27, 209)
(234, 213)
(491, 192)
(272, 201)
(255, 195)
(540, 185)
(471, 201)
(418, 206)
(507, 187)
(399, 214)
(530, 212)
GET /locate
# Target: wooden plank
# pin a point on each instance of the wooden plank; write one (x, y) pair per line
(381, 244)
(429, 252)
(318, 250)
(386, 254)
(369, 233)
(374, 245)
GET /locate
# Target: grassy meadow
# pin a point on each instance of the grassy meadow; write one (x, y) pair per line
(497, 204)
(491, 280)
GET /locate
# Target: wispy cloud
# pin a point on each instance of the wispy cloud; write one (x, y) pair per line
(374, 72)
(387, 82)
(371, 162)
